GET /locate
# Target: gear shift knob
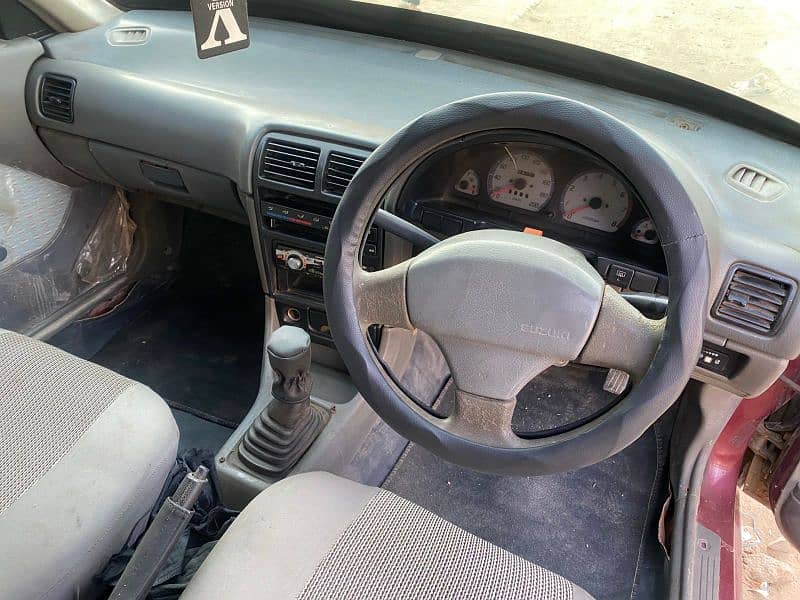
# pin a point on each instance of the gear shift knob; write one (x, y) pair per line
(289, 353)
(290, 423)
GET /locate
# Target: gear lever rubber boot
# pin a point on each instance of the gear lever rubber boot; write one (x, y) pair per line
(290, 423)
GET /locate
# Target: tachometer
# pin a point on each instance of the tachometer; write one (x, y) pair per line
(598, 200)
(522, 179)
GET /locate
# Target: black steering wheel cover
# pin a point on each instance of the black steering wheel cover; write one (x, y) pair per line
(682, 236)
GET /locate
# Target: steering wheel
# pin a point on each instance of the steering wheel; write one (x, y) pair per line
(503, 306)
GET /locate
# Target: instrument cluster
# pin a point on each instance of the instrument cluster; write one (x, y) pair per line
(523, 176)
(535, 183)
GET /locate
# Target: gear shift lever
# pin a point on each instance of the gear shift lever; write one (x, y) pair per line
(291, 422)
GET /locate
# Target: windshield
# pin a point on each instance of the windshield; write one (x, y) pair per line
(748, 48)
(745, 47)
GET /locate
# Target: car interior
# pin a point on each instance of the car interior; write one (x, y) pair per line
(327, 299)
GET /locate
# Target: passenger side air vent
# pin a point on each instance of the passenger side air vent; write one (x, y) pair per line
(55, 97)
(339, 172)
(755, 182)
(290, 163)
(754, 299)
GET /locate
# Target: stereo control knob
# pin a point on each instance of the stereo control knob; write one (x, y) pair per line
(295, 262)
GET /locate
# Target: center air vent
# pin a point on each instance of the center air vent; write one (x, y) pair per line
(56, 96)
(290, 163)
(339, 172)
(754, 299)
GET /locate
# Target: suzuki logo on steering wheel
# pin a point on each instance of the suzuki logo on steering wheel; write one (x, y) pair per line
(559, 334)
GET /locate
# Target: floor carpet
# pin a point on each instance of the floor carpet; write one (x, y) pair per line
(199, 342)
(593, 526)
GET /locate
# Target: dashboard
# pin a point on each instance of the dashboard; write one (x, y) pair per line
(151, 116)
(544, 186)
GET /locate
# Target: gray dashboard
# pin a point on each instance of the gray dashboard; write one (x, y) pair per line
(158, 100)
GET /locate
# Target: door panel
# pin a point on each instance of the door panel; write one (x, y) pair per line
(785, 491)
(784, 480)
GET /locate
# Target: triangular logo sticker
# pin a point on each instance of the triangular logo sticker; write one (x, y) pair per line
(220, 26)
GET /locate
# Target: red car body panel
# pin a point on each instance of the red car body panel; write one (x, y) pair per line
(718, 510)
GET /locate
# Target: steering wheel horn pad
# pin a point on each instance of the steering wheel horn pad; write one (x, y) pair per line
(503, 306)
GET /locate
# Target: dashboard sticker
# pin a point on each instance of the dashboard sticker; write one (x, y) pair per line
(220, 26)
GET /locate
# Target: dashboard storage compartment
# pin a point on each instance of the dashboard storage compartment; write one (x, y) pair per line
(195, 188)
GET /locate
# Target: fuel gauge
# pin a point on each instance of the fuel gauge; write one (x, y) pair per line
(469, 183)
(645, 231)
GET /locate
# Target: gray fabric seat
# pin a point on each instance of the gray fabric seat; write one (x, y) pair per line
(320, 536)
(84, 453)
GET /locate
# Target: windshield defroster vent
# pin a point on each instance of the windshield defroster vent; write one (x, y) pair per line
(290, 163)
(754, 299)
(755, 183)
(339, 172)
(56, 96)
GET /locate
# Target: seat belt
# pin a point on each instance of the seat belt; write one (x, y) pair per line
(160, 538)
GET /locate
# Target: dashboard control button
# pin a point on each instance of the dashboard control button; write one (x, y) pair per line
(484, 225)
(370, 250)
(294, 262)
(620, 276)
(467, 225)
(602, 266)
(644, 282)
(451, 226)
(716, 359)
(431, 220)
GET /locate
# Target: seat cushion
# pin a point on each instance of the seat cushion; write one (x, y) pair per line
(84, 453)
(320, 536)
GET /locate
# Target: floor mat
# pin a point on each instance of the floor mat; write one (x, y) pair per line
(586, 525)
(199, 343)
(196, 432)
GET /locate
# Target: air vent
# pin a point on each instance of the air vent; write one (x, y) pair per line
(55, 98)
(755, 182)
(754, 299)
(128, 36)
(339, 172)
(290, 163)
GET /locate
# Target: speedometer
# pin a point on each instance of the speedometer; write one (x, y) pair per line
(598, 200)
(521, 179)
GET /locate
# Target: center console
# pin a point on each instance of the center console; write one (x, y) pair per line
(308, 416)
(298, 182)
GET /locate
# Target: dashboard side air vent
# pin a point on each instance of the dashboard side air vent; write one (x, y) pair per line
(290, 163)
(56, 95)
(339, 171)
(755, 182)
(754, 299)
